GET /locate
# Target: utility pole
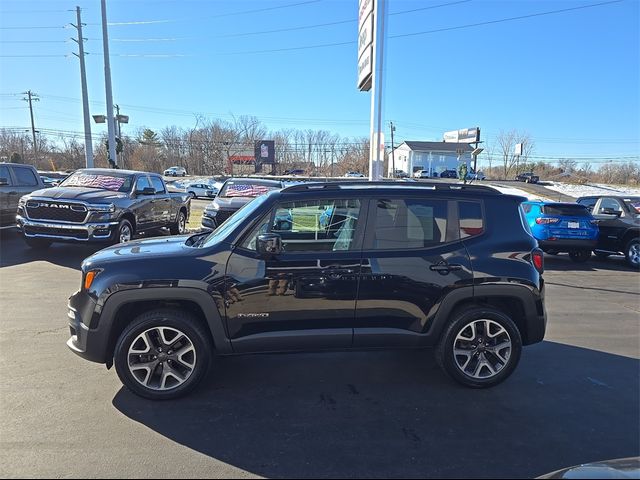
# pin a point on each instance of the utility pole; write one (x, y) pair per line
(32, 97)
(376, 134)
(393, 156)
(107, 81)
(88, 144)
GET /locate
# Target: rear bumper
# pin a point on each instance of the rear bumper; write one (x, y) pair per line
(66, 232)
(568, 244)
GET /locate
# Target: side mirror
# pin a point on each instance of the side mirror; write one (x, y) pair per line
(269, 244)
(610, 211)
(3, 181)
(146, 191)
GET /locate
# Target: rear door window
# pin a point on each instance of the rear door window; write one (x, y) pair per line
(25, 177)
(409, 223)
(157, 184)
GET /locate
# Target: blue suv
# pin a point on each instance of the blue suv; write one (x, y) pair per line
(562, 227)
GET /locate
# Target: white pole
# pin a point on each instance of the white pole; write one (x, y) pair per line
(107, 82)
(88, 144)
(376, 131)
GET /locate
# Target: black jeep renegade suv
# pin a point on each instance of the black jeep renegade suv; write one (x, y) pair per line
(361, 266)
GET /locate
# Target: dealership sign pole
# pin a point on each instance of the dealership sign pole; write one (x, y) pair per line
(371, 19)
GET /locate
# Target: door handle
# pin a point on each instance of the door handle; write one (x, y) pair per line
(443, 268)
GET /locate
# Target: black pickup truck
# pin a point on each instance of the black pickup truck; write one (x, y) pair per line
(101, 205)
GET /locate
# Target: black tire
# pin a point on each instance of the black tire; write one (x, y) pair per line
(580, 256)
(462, 319)
(121, 232)
(180, 226)
(632, 253)
(37, 243)
(184, 174)
(178, 320)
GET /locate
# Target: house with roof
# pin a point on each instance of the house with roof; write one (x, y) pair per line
(435, 157)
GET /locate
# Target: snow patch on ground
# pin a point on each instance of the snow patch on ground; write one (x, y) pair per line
(517, 191)
(591, 189)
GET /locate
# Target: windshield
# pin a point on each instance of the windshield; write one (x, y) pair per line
(230, 224)
(113, 183)
(566, 210)
(246, 188)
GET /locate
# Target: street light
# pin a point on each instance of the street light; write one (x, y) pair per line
(118, 118)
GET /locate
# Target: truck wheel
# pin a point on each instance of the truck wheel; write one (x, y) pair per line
(124, 233)
(37, 243)
(580, 256)
(480, 348)
(163, 354)
(632, 253)
(180, 226)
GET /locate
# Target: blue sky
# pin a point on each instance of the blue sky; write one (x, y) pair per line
(570, 79)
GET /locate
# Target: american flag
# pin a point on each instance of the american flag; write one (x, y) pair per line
(246, 190)
(105, 182)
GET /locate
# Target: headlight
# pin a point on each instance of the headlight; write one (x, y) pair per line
(23, 200)
(107, 208)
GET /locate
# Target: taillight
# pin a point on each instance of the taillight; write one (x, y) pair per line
(546, 221)
(537, 258)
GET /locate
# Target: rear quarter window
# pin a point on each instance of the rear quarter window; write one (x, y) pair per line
(471, 219)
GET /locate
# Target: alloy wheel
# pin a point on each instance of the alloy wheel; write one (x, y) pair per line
(482, 348)
(634, 254)
(182, 223)
(161, 358)
(125, 233)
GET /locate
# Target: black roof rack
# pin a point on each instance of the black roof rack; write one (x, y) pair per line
(304, 187)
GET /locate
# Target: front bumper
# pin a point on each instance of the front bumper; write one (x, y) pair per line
(209, 222)
(86, 232)
(89, 343)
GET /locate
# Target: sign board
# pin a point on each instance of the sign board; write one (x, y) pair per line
(518, 149)
(365, 44)
(265, 154)
(465, 135)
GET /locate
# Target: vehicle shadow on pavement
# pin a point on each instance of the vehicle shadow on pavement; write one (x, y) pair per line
(394, 414)
(562, 263)
(14, 251)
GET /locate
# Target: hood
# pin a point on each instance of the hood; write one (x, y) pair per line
(140, 249)
(77, 193)
(231, 203)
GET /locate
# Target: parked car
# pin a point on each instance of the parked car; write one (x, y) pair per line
(101, 205)
(451, 267)
(201, 190)
(175, 172)
(421, 174)
(449, 174)
(398, 173)
(234, 194)
(476, 176)
(296, 171)
(618, 218)
(16, 180)
(562, 227)
(527, 177)
(354, 174)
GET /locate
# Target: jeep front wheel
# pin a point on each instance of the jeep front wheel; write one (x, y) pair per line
(480, 348)
(632, 253)
(162, 354)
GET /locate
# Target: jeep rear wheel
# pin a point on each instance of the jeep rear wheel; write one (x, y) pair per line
(162, 354)
(480, 348)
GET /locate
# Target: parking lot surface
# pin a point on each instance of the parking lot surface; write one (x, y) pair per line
(573, 399)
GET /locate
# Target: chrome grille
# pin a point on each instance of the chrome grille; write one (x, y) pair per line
(56, 211)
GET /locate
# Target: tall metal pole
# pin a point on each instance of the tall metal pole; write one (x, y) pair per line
(393, 156)
(376, 131)
(32, 97)
(107, 82)
(88, 143)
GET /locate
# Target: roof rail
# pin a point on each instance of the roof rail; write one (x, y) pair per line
(304, 187)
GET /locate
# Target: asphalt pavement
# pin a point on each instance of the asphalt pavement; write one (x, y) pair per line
(573, 399)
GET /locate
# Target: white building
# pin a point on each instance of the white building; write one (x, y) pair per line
(435, 157)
